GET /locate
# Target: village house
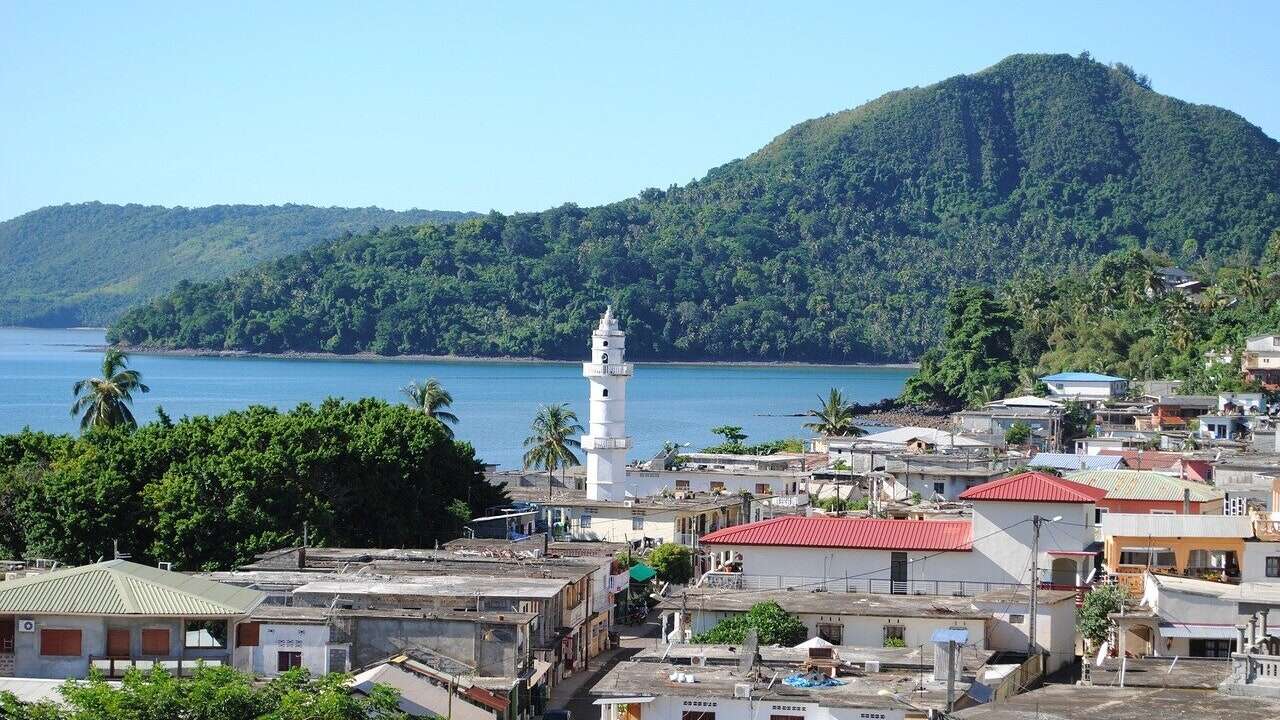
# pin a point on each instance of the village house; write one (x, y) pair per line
(925, 461)
(1220, 547)
(1188, 617)
(990, 551)
(1084, 386)
(1236, 416)
(1042, 416)
(432, 685)
(717, 682)
(116, 615)
(1261, 360)
(994, 621)
(1144, 491)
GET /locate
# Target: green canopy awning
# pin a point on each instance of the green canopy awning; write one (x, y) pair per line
(642, 573)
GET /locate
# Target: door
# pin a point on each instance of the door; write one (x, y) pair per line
(118, 642)
(898, 573)
(6, 634)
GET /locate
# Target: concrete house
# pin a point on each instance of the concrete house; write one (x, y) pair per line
(1042, 415)
(115, 615)
(1145, 491)
(1220, 547)
(922, 556)
(1085, 386)
(1261, 359)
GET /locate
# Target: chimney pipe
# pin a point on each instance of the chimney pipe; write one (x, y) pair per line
(1186, 501)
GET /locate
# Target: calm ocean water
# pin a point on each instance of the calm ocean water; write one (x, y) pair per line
(494, 400)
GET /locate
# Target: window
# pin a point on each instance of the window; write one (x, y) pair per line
(155, 641)
(605, 343)
(584, 520)
(288, 660)
(604, 392)
(1017, 619)
(831, 632)
(682, 484)
(247, 634)
(637, 519)
(895, 636)
(206, 634)
(698, 715)
(786, 717)
(763, 489)
(118, 642)
(60, 643)
(1211, 560)
(1147, 557)
(1163, 512)
(939, 488)
(1273, 567)
(1210, 648)
(717, 485)
(1097, 515)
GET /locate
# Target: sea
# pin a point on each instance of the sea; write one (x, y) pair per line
(494, 400)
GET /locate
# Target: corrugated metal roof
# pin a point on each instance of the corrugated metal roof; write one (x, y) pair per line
(1144, 485)
(119, 587)
(903, 435)
(851, 533)
(1033, 487)
(1172, 526)
(1145, 459)
(1072, 461)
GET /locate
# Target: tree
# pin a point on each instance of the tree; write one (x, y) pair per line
(1018, 433)
(773, 626)
(673, 562)
(552, 443)
(733, 437)
(212, 693)
(834, 416)
(975, 361)
(1092, 619)
(104, 401)
(431, 398)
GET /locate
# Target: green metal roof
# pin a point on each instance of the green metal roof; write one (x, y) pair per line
(1144, 485)
(119, 587)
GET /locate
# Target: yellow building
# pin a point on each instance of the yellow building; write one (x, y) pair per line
(1205, 546)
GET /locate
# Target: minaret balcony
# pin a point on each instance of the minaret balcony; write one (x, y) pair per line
(605, 443)
(603, 369)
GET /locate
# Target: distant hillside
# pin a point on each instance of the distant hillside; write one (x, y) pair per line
(836, 242)
(84, 264)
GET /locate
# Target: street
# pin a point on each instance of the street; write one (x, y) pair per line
(572, 693)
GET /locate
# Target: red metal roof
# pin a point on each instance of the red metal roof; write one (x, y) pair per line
(852, 533)
(1034, 487)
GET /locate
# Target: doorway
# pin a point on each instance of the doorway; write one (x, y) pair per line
(898, 573)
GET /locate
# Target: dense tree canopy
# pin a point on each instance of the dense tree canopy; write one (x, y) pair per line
(1117, 317)
(773, 626)
(209, 492)
(211, 694)
(84, 264)
(833, 243)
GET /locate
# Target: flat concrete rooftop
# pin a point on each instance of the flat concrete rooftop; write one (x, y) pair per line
(830, 603)
(439, 586)
(1073, 702)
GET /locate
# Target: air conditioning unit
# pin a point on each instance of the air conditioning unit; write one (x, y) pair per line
(872, 666)
(628, 503)
(26, 626)
(742, 690)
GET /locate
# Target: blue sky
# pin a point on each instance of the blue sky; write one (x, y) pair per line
(517, 106)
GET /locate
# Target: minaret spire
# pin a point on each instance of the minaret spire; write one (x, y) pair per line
(606, 441)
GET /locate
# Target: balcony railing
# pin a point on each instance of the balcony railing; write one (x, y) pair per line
(605, 443)
(599, 369)
(879, 586)
(178, 667)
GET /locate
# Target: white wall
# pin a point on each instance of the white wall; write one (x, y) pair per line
(671, 707)
(867, 630)
(309, 639)
(1003, 532)
(1055, 628)
(1253, 566)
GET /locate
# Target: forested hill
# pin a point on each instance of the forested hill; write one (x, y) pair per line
(836, 242)
(85, 264)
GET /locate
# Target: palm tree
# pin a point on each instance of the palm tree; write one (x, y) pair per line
(431, 398)
(103, 402)
(551, 444)
(834, 417)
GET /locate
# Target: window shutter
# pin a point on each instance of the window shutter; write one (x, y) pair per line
(63, 643)
(247, 634)
(155, 641)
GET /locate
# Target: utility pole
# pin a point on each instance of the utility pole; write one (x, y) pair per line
(1035, 580)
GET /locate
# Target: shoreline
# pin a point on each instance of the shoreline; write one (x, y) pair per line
(372, 357)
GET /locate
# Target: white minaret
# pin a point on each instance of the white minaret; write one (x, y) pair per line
(606, 441)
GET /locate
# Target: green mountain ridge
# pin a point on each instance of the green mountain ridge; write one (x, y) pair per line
(835, 242)
(86, 263)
